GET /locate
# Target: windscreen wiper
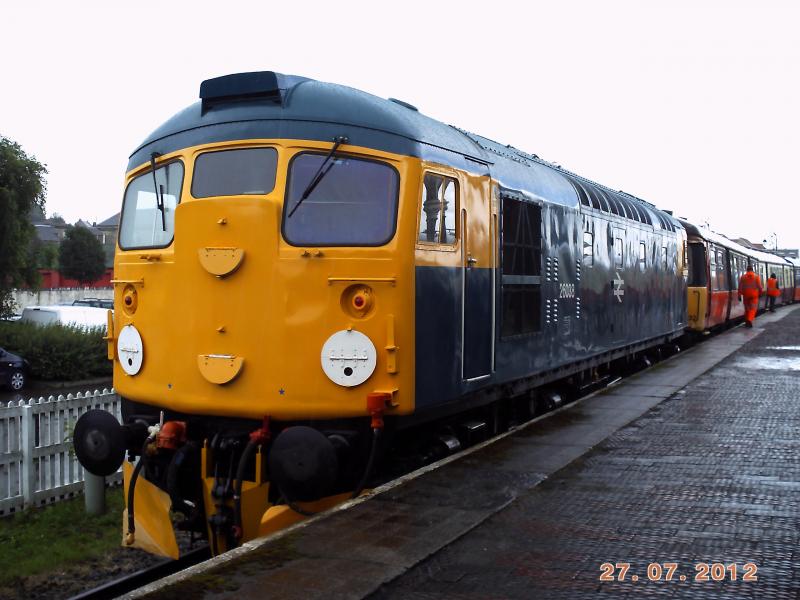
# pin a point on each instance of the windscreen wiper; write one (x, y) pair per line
(159, 191)
(320, 174)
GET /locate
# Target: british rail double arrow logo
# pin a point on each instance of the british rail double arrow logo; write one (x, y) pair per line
(619, 287)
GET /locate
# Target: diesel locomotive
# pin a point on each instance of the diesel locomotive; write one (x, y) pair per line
(305, 271)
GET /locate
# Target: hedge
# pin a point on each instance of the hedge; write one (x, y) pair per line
(57, 352)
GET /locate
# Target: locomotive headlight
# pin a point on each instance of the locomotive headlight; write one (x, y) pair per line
(348, 358)
(358, 301)
(130, 299)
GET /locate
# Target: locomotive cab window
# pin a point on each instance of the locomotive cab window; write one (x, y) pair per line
(148, 209)
(340, 201)
(246, 171)
(438, 210)
(521, 260)
(697, 261)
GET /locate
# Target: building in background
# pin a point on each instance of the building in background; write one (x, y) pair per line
(51, 232)
(787, 252)
(109, 229)
(784, 252)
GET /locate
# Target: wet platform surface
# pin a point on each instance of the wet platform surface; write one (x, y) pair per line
(696, 460)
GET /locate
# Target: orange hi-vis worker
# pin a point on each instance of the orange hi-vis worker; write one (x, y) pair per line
(773, 291)
(750, 289)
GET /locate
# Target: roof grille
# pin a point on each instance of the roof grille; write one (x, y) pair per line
(618, 203)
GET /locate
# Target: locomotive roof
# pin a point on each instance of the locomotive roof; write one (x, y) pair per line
(273, 105)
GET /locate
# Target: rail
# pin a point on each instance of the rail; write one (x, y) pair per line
(37, 463)
(129, 583)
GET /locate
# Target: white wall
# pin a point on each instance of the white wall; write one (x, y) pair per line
(25, 298)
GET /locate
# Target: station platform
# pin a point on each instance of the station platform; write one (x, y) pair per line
(693, 462)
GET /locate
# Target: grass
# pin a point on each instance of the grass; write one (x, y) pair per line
(45, 539)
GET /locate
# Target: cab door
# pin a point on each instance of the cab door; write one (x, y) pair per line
(477, 261)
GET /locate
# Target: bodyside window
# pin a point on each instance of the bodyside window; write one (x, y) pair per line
(618, 253)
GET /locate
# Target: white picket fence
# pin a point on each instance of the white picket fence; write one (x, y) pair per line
(37, 462)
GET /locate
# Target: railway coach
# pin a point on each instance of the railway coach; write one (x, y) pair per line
(767, 263)
(716, 264)
(795, 265)
(304, 271)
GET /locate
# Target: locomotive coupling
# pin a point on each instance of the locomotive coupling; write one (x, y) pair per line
(171, 435)
(261, 435)
(377, 403)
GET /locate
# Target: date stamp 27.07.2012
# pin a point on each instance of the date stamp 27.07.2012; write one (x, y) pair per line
(671, 571)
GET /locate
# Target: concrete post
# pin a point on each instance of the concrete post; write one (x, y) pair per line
(94, 494)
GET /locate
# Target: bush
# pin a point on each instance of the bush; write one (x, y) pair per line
(57, 352)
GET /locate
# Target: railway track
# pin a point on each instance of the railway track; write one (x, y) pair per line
(128, 583)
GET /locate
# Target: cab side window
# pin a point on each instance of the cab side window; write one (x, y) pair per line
(439, 210)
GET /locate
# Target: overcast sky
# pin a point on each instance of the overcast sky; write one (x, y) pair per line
(692, 105)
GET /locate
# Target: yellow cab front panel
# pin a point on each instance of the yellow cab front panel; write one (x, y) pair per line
(697, 308)
(233, 318)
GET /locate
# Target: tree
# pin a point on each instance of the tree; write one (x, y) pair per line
(43, 255)
(22, 187)
(81, 255)
(47, 256)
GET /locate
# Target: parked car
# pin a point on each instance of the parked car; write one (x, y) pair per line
(13, 370)
(82, 316)
(95, 302)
